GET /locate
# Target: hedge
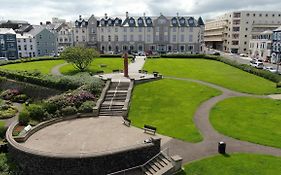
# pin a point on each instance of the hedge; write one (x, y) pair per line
(247, 68)
(25, 60)
(51, 81)
(114, 56)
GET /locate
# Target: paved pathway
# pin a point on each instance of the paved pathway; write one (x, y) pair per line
(137, 65)
(56, 70)
(9, 121)
(194, 151)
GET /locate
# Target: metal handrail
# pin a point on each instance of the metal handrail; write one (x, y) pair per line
(139, 166)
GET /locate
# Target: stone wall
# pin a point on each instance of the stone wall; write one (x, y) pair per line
(34, 91)
(35, 164)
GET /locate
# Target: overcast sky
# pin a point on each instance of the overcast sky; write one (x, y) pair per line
(35, 11)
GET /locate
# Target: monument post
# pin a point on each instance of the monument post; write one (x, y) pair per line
(126, 74)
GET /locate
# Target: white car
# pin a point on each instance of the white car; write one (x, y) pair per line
(258, 65)
(3, 59)
(270, 69)
(243, 55)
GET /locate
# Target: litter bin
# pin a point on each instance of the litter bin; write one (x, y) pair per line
(221, 147)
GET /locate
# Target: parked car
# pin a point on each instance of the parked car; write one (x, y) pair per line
(141, 53)
(270, 69)
(258, 65)
(217, 54)
(3, 59)
(243, 55)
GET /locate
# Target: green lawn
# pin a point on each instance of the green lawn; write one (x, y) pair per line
(43, 66)
(251, 119)
(170, 106)
(111, 64)
(214, 72)
(235, 164)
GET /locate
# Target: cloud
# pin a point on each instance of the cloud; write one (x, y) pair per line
(35, 11)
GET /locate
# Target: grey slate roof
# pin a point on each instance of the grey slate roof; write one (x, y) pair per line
(36, 30)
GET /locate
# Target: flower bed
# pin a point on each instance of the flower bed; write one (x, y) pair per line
(7, 110)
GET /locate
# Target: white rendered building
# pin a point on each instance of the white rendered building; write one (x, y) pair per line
(232, 31)
(260, 46)
(26, 46)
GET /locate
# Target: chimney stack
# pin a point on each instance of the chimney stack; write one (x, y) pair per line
(105, 16)
(127, 14)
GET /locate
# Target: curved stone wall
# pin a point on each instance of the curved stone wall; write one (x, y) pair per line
(35, 162)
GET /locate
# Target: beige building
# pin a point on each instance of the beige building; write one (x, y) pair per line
(141, 33)
(232, 32)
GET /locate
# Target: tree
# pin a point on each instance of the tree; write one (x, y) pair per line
(80, 57)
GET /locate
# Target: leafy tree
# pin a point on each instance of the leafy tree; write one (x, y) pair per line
(80, 57)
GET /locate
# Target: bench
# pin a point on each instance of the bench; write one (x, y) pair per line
(100, 72)
(127, 122)
(150, 129)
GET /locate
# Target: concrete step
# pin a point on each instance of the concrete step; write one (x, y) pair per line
(158, 166)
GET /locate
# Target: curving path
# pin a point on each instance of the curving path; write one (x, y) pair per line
(195, 151)
(56, 70)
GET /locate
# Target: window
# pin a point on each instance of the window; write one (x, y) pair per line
(116, 37)
(25, 47)
(149, 29)
(245, 42)
(235, 43)
(102, 38)
(109, 38)
(236, 29)
(182, 38)
(116, 29)
(182, 29)
(109, 29)
(131, 37)
(140, 37)
(140, 29)
(174, 29)
(191, 29)
(148, 38)
(174, 38)
(190, 38)
(125, 29)
(24, 40)
(131, 29)
(31, 47)
(246, 36)
(19, 47)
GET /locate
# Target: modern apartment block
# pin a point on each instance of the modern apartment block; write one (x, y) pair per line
(232, 31)
(276, 45)
(8, 44)
(142, 33)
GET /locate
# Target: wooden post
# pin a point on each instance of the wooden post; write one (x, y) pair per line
(126, 74)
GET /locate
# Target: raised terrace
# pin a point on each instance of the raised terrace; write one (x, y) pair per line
(87, 136)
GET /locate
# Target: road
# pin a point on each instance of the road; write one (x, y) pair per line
(242, 60)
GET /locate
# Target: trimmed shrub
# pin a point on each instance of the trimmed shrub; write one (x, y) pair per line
(20, 98)
(87, 107)
(69, 110)
(2, 130)
(9, 94)
(36, 112)
(25, 60)
(24, 118)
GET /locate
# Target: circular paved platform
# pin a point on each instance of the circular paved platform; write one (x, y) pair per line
(88, 135)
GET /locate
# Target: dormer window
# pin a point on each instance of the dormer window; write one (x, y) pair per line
(77, 23)
(191, 21)
(84, 24)
(140, 21)
(148, 21)
(131, 21)
(174, 21)
(102, 22)
(116, 21)
(109, 22)
(182, 21)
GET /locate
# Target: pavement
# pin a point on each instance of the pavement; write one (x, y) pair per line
(56, 70)
(88, 136)
(133, 70)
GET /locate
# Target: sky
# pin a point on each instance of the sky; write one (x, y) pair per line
(35, 11)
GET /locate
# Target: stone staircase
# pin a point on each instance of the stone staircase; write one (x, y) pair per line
(114, 100)
(159, 165)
